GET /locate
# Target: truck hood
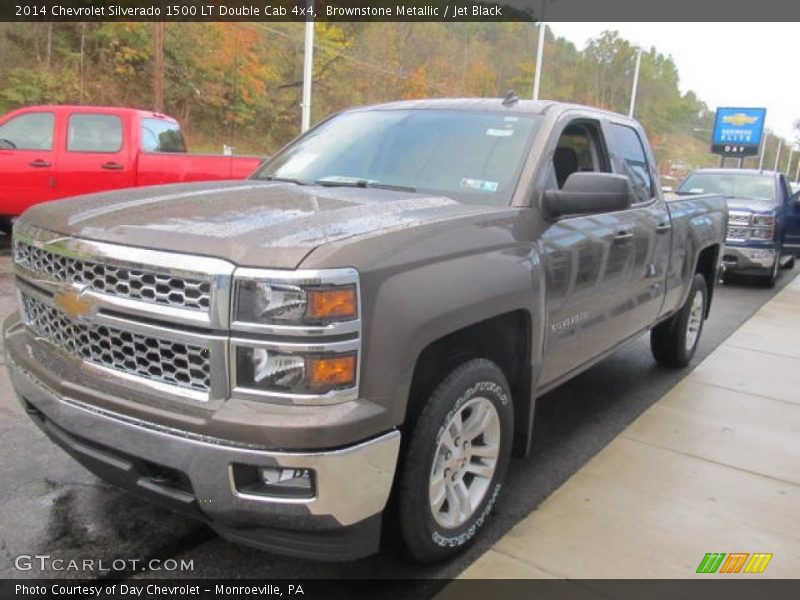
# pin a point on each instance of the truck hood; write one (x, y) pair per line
(751, 204)
(250, 223)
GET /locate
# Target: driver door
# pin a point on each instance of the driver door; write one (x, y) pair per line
(588, 262)
(791, 219)
(27, 161)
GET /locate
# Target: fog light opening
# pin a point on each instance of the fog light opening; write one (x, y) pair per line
(274, 482)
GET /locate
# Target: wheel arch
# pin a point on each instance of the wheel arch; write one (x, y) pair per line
(506, 340)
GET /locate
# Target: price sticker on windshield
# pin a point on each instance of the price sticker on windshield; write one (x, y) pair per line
(479, 185)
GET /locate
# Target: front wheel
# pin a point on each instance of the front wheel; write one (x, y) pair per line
(674, 341)
(456, 460)
(6, 225)
(772, 278)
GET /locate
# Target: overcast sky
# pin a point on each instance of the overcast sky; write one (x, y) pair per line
(726, 64)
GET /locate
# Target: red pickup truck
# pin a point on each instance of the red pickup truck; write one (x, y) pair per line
(52, 152)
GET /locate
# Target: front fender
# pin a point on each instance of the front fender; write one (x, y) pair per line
(417, 307)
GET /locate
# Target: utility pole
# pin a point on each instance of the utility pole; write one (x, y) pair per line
(763, 152)
(789, 164)
(635, 81)
(778, 155)
(308, 68)
(797, 172)
(537, 76)
(83, 44)
(158, 66)
(49, 43)
(464, 66)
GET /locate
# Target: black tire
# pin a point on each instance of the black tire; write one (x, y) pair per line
(5, 225)
(426, 539)
(668, 340)
(771, 279)
(789, 263)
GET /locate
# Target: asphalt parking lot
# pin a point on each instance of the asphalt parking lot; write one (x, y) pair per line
(51, 505)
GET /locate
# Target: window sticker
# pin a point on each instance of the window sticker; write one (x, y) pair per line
(499, 132)
(479, 185)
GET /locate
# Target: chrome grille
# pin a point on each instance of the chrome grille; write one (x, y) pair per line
(179, 364)
(127, 282)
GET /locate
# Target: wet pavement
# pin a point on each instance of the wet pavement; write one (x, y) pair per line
(50, 505)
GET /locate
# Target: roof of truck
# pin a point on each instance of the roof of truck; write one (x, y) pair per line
(718, 171)
(94, 109)
(534, 107)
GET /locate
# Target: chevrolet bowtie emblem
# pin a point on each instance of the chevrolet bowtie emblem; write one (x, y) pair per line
(73, 304)
(739, 119)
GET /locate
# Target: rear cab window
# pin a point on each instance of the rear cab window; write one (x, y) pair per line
(161, 135)
(94, 133)
(32, 131)
(631, 160)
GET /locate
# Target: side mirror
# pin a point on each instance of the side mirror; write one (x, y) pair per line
(589, 193)
(7, 144)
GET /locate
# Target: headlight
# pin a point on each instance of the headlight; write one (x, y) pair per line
(261, 369)
(766, 233)
(296, 335)
(764, 220)
(313, 298)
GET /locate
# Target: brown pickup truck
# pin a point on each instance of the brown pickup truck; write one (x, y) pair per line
(360, 330)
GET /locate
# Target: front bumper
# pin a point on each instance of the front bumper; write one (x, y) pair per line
(192, 473)
(742, 260)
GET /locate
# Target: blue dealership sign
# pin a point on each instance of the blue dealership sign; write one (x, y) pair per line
(738, 131)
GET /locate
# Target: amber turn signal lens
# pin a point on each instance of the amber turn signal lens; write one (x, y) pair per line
(332, 372)
(337, 303)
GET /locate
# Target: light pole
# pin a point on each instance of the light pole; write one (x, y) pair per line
(635, 80)
(537, 76)
(789, 164)
(778, 155)
(308, 69)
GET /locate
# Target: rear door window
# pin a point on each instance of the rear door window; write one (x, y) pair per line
(94, 133)
(33, 131)
(631, 159)
(160, 135)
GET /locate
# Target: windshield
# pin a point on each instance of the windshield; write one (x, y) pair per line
(735, 185)
(469, 156)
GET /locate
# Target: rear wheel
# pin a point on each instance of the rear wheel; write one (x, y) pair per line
(5, 225)
(674, 341)
(456, 460)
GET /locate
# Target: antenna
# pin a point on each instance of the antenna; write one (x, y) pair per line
(511, 98)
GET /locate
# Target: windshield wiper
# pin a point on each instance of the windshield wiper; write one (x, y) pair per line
(363, 183)
(284, 180)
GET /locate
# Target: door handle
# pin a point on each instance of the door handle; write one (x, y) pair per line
(39, 163)
(623, 236)
(663, 227)
(112, 166)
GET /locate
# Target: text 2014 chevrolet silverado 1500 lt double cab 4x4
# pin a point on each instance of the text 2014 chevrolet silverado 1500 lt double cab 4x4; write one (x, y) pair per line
(763, 219)
(52, 152)
(371, 316)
